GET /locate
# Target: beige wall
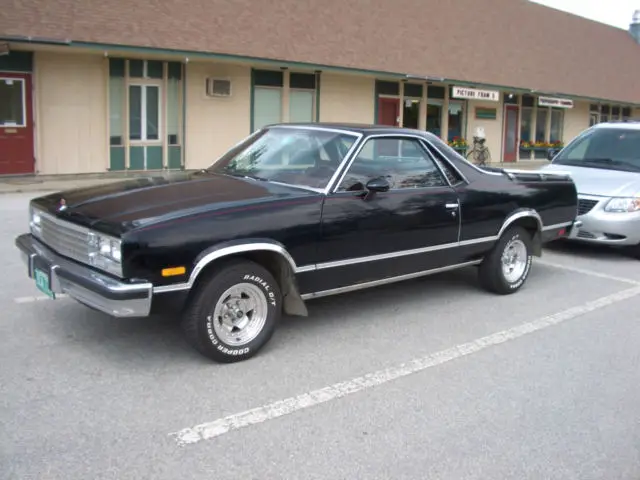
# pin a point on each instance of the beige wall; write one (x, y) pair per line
(213, 125)
(71, 113)
(492, 128)
(346, 98)
(576, 120)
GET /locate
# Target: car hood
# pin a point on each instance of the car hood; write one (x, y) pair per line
(122, 206)
(600, 181)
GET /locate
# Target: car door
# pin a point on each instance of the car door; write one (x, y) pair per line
(368, 236)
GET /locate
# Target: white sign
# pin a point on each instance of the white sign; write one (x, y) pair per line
(555, 102)
(475, 94)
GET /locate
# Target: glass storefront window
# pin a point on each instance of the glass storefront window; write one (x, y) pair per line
(267, 107)
(525, 124)
(456, 120)
(173, 111)
(301, 105)
(541, 125)
(434, 118)
(557, 120)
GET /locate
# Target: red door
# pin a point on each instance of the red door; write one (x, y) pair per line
(511, 129)
(16, 124)
(388, 111)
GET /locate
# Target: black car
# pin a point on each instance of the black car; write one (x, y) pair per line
(294, 212)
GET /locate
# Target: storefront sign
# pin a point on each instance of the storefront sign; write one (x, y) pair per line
(475, 94)
(555, 102)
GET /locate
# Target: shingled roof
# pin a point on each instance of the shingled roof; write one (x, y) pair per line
(513, 43)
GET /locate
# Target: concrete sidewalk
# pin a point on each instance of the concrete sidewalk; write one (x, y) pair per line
(55, 183)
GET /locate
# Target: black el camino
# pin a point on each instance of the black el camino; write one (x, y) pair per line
(293, 212)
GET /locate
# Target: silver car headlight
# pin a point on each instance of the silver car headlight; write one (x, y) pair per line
(623, 204)
(105, 252)
(35, 222)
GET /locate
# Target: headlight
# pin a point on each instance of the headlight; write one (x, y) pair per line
(623, 204)
(35, 222)
(105, 252)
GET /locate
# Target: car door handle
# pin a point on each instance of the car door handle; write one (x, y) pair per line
(452, 205)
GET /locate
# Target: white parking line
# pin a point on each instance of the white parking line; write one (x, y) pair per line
(592, 273)
(280, 408)
(38, 298)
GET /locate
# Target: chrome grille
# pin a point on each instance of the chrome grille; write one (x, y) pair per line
(67, 239)
(585, 206)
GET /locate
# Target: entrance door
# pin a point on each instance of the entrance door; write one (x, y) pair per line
(510, 147)
(16, 124)
(412, 227)
(388, 111)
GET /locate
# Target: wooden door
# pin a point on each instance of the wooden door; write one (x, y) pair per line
(16, 124)
(388, 111)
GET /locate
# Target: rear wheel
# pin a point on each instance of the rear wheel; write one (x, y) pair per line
(233, 313)
(505, 269)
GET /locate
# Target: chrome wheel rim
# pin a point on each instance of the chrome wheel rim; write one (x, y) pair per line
(240, 314)
(514, 260)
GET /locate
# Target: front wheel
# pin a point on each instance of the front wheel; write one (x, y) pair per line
(505, 269)
(233, 313)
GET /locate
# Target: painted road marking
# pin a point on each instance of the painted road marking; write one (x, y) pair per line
(38, 298)
(592, 273)
(216, 428)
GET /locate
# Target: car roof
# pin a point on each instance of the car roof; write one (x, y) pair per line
(624, 124)
(363, 128)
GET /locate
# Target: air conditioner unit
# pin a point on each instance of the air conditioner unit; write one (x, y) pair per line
(218, 87)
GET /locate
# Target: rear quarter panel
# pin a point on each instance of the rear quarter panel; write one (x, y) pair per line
(487, 202)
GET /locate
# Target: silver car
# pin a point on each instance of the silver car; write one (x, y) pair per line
(604, 162)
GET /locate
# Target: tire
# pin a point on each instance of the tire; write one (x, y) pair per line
(491, 273)
(249, 324)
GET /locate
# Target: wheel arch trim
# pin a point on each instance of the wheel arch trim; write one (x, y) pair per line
(227, 249)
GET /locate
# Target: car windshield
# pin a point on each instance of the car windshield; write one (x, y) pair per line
(606, 148)
(297, 156)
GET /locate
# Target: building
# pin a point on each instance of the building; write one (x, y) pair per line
(100, 86)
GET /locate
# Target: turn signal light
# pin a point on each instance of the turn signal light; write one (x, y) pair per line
(173, 271)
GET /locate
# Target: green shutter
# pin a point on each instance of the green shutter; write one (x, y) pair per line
(136, 158)
(175, 157)
(154, 158)
(116, 158)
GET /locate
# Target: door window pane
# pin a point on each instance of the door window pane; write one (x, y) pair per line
(402, 162)
(541, 125)
(267, 107)
(434, 119)
(301, 105)
(11, 102)
(153, 112)
(135, 112)
(456, 120)
(116, 104)
(525, 125)
(173, 111)
(557, 121)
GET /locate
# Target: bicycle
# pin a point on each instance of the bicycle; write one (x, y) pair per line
(479, 151)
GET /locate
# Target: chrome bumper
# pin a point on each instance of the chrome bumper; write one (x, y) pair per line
(599, 227)
(93, 289)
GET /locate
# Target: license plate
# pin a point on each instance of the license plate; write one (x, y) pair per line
(42, 282)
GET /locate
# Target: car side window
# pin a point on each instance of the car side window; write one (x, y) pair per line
(403, 162)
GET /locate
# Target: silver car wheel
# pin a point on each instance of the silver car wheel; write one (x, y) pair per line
(240, 314)
(514, 260)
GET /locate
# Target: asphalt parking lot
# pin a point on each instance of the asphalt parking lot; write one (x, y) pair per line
(432, 378)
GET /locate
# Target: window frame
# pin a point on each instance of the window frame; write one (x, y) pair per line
(143, 140)
(24, 102)
(422, 144)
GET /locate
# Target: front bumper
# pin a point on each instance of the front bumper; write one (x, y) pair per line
(607, 228)
(95, 290)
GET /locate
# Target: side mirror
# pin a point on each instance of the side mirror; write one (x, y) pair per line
(378, 185)
(552, 152)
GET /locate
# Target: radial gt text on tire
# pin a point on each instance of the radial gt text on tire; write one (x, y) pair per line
(506, 268)
(233, 312)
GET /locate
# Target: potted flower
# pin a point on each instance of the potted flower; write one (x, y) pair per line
(458, 143)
